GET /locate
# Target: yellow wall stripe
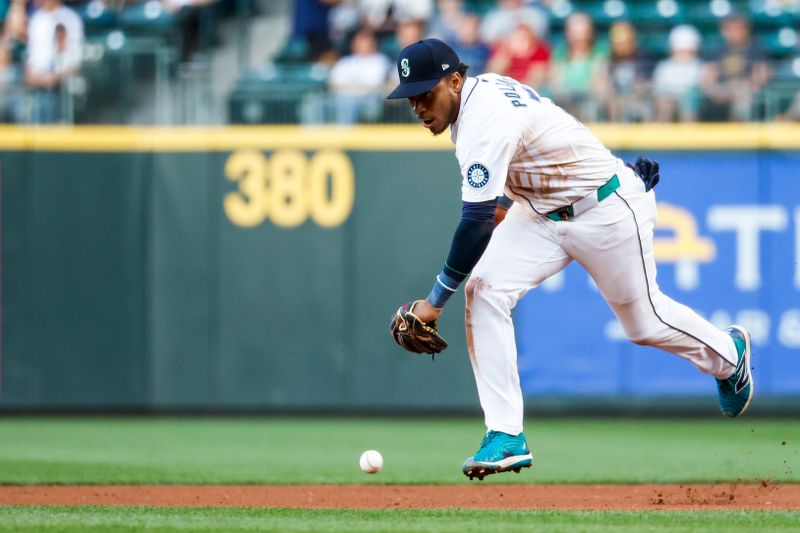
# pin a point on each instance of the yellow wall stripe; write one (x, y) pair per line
(375, 138)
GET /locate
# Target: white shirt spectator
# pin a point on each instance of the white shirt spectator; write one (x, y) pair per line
(41, 37)
(375, 11)
(677, 78)
(67, 61)
(359, 74)
(680, 73)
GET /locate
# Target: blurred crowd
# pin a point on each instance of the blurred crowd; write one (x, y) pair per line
(599, 71)
(40, 60)
(44, 49)
(595, 77)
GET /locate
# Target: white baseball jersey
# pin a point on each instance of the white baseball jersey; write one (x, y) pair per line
(511, 140)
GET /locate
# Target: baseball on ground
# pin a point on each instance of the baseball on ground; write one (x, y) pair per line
(371, 461)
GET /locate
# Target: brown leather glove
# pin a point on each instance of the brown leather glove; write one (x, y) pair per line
(414, 335)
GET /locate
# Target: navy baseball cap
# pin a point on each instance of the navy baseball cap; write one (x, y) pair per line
(421, 65)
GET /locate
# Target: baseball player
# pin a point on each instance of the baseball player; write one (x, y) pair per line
(572, 200)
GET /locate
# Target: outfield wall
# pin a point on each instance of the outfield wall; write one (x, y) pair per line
(256, 268)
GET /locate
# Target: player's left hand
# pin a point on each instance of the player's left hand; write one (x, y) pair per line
(646, 169)
(414, 333)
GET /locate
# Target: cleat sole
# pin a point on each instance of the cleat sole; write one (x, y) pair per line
(480, 472)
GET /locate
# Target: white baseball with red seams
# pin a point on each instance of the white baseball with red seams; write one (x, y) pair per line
(371, 461)
(511, 140)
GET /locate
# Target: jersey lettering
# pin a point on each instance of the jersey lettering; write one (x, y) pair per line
(512, 89)
(510, 136)
(533, 94)
(509, 88)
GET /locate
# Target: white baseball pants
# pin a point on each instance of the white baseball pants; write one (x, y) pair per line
(613, 241)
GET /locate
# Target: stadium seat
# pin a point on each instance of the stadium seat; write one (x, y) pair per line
(654, 44)
(781, 92)
(293, 51)
(607, 12)
(780, 43)
(148, 18)
(98, 16)
(657, 14)
(712, 42)
(309, 74)
(787, 69)
(275, 93)
(559, 11)
(479, 6)
(772, 14)
(708, 13)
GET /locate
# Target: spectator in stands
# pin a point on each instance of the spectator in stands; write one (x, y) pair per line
(407, 32)
(344, 21)
(676, 80)
(469, 46)
(502, 20)
(357, 81)
(521, 56)
(628, 76)
(579, 68)
(383, 16)
(447, 21)
(735, 74)
(792, 112)
(41, 31)
(55, 42)
(196, 35)
(310, 28)
(66, 61)
(67, 58)
(12, 50)
(6, 83)
(15, 28)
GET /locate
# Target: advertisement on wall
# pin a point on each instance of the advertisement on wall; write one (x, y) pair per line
(258, 268)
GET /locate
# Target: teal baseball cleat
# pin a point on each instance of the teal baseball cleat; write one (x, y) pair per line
(499, 452)
(736, 391)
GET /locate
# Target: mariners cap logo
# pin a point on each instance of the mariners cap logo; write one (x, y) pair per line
(432, 59)
(477, 175)
(405, 68)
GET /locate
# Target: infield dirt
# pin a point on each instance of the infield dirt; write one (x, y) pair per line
(687, 497)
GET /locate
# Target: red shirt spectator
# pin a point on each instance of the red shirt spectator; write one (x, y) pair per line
(522, 56)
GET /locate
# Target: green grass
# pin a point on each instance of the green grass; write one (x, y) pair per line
(319, 450)
(440, 521)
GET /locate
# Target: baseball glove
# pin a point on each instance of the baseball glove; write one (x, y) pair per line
(414, 335)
